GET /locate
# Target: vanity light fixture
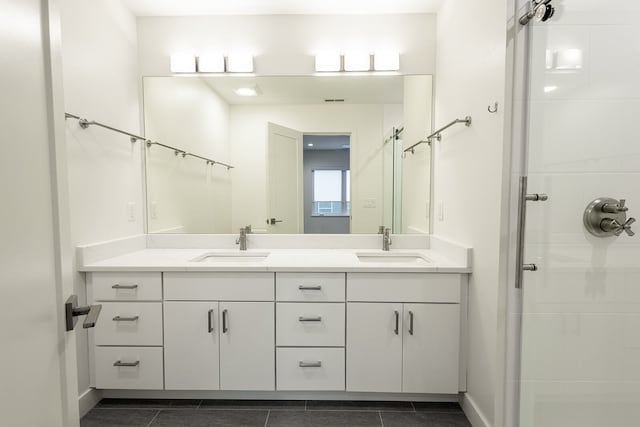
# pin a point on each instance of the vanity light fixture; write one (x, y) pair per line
(240, 63)
(357, 61)
(386, 61)
(328, 62)
(211, 63)
(183, 63)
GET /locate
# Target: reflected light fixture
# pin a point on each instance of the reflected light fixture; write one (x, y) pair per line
(357, 61)
(310, 144)
(211, 63)
(240, 63)
(247, 91)
(386, 61)
(549, 89)
(569, 59)
(328, 62)
(183, 63)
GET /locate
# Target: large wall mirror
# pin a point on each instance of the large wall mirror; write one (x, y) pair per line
(309, 154)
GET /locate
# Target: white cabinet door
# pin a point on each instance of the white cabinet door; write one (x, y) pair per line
(431, 348)
(374, 347)
(247, 346)
(191, 346)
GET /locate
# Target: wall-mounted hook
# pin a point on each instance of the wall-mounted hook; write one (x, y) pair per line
(494, 110)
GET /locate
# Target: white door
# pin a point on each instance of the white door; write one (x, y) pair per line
(191, 346)
(284, 180)
(430, 348)
(247, 346)
(374, 347)
(38, 372)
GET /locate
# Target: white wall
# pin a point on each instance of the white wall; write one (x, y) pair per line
(416, 168)
(186, 195)
(468, 175)
(248, 126)
(100, 75)
(286, 44)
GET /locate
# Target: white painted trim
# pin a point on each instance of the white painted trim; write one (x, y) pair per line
(278, 395)
(88, 399)
(473, 412)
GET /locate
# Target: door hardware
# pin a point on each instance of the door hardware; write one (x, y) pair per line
(72, 311)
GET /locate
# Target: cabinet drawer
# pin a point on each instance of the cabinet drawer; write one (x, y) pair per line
(126, 286)
(404, 287)
(142, 370)
(218, 286)
(310, 324)
(327, 287)
(310, 369)
(129, 323)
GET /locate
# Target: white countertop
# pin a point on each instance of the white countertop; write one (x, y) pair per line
(282, 260)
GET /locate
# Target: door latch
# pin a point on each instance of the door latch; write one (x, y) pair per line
(72, 311)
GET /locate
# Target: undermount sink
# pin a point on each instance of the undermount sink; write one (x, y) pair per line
(215, 257)
(393, 258)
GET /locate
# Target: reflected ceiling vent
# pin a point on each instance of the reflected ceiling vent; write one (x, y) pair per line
(334, 100)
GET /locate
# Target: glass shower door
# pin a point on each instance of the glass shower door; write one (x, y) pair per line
(580, 354)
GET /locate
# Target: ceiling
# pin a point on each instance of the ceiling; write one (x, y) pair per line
(363, 89)
(273, 7)
(321, 142)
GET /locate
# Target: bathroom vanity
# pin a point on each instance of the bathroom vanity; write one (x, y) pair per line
(202, 322)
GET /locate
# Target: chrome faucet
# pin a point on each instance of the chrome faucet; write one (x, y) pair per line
(242, 240)
(386, 239)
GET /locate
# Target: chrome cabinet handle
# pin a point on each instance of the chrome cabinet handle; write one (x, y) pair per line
(119, 286)
(317, 364)
(310, 288)
(410, 322)
(210, 321)
(310, 319)
(225, 327)
(120, 363)
(397, 328)
(125, 319)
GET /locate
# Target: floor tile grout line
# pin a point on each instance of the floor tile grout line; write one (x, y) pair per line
(380, 415)
(154, 417)
(266, 421)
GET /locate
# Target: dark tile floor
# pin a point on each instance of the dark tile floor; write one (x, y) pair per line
(293, 413)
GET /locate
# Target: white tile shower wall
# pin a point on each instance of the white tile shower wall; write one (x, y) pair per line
(100, 73)
(468, 174)
(286, 44)
(186, 194)
(584, 306)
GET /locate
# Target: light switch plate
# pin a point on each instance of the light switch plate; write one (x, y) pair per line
(370, 203)
(440, 210)
(154, 210)
(131, 211)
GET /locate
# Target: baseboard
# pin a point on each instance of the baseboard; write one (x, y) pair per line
(473, 413)
(88, 399)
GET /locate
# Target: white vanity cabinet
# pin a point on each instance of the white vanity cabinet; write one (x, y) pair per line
(403, 332)
(332, 332)
(213, 344)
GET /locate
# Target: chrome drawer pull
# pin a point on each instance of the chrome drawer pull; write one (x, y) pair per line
(120, 363)
(310, 288)
(118, 286)
(310, 319)
(125, 319)
(317, 364)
